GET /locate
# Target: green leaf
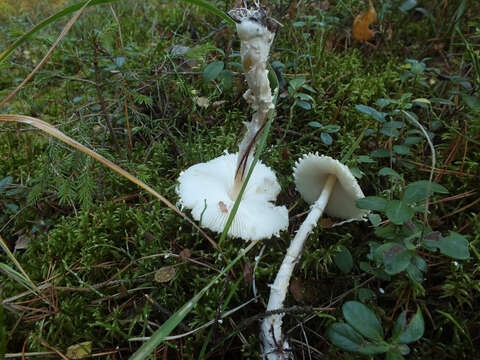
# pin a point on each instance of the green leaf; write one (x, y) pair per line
(296, 83)
(343, 336)
(377, 115)
(394, 256)
(473, 102)
(365, 294)
(5, 182)
(323, 315)
(454, 246)
(226, 78)
(363, 320)
(315, 124)
(372, 203)
(389, 172)
(343, 259)
(412, 140)
(381, 153)
(304, 96)
(326, 138)
(408, 5)
(212, 70)
(303, 104)
(417, 191)
(393, 355)
(417, 68)
(401, 149)
(365, 159)
(416, 269)
(331, 128)
(398, 211)
(375, 219)
(406, 333)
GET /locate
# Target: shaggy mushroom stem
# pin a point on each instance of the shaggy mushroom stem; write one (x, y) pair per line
(256, 31)
(272, 325)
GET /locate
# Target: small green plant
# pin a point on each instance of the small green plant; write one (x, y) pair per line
(363, 332)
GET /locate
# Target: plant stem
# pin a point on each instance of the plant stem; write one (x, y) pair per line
(98, 86)
(275, 346)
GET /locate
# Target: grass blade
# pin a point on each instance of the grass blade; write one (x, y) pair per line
(18, 277)
(211, 8)
(53, 131)
(27, 281)
(70, 9)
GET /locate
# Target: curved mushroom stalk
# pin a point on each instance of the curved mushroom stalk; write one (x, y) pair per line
(336, 191)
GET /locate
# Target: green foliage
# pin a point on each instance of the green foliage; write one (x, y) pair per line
(362, 323)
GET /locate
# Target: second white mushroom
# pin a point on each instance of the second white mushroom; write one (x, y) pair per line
(332, 188)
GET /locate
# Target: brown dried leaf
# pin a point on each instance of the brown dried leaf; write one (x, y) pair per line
(185, 254)
(80, 351)
(296, 289)
(248, 273)
(361, 30)
(165, 274)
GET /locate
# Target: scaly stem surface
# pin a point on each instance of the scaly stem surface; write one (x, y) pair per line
(254, 31)
(275, 346)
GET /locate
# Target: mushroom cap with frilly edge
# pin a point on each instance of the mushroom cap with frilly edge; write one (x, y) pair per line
(207, 189)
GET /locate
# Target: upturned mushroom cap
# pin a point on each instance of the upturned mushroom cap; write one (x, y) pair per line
(310, 174)
(207, 189)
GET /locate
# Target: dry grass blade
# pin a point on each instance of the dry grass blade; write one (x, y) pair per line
(47, 55)
(4, 246)
(51, 130)
(432, 169)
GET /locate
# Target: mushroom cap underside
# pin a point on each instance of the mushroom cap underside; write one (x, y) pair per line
(311, 172)
(207, 189)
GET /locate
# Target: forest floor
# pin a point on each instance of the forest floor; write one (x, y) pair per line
(156, 87)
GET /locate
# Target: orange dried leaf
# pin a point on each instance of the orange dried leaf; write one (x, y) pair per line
(361, 30)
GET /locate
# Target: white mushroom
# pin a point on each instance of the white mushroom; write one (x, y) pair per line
(211, 189)
(208, 189)
(332, 188)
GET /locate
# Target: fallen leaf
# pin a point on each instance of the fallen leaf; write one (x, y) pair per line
(80, 351)
(296, 289)
(324, 5)
(202, 101)
(22, 243)
(164, 274)
(361, 30)
(248, 273)
(185, 254)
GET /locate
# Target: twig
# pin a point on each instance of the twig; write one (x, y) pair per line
(48, 346)
(118, 25)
